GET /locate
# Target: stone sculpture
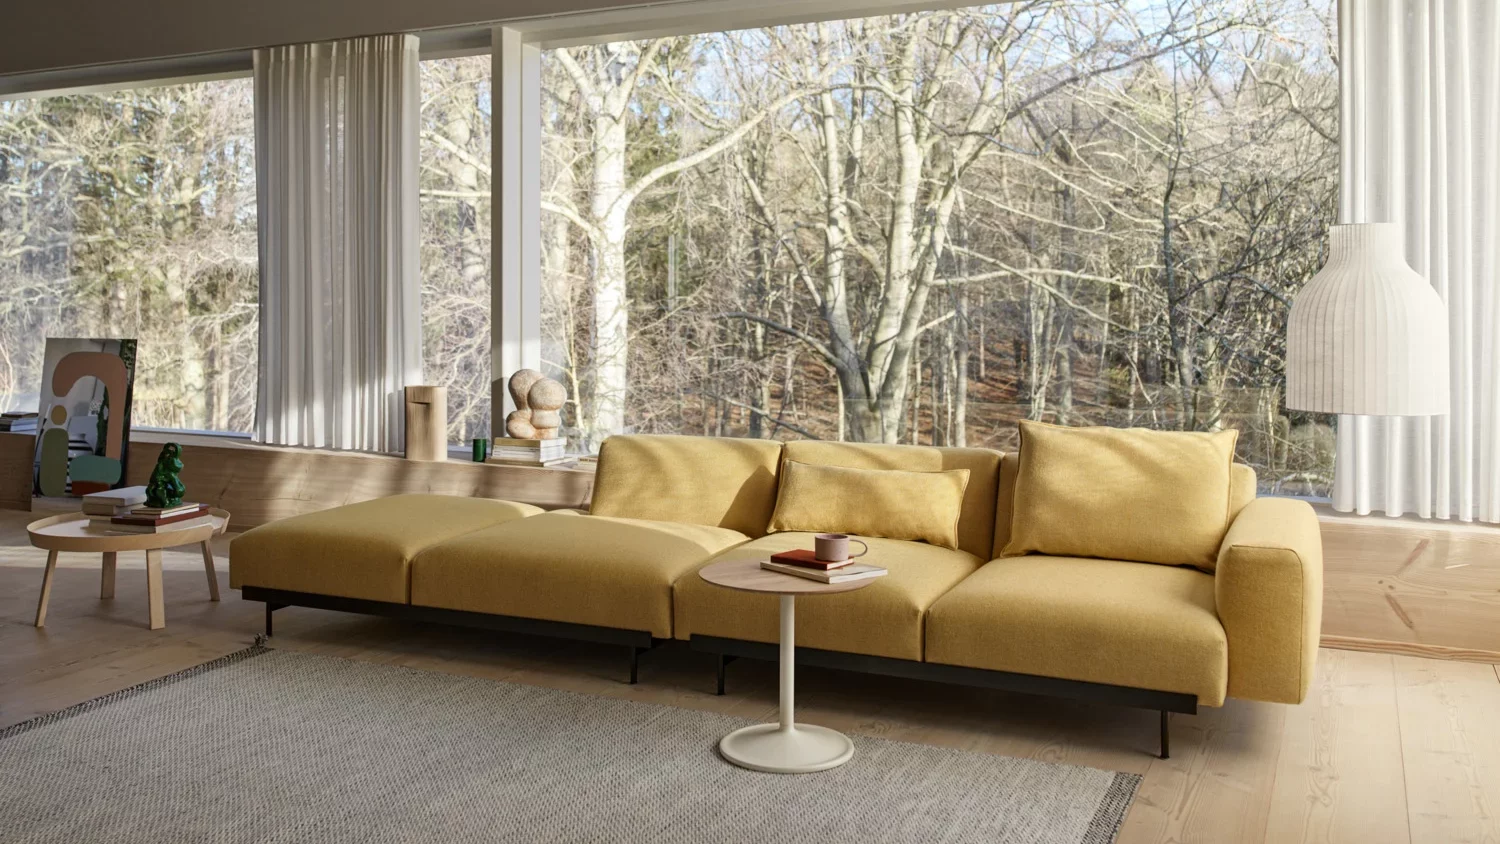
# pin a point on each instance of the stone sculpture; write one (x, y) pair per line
(539, 402)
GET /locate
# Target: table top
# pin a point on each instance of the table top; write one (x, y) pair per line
(746, 575)
(75, 532)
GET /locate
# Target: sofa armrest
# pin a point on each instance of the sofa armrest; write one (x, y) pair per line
(1269, 590)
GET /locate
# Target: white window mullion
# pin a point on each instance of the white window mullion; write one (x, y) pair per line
(516, 244)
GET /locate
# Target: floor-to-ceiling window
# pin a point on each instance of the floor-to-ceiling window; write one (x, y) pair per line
(131, 214)
(922, 227)
(455, 177)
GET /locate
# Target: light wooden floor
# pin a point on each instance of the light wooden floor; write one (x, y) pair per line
(1386, 749)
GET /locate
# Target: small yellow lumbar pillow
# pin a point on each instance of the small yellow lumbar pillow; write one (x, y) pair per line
(887, 503)
(1122, 494)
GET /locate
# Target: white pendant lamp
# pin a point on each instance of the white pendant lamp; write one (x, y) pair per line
(1367, 335)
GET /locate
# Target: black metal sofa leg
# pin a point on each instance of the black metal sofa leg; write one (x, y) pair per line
(1165, 736)
(635, 658)
(270, 608)
(724, 661)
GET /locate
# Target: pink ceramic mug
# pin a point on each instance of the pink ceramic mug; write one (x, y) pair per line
(834, 547)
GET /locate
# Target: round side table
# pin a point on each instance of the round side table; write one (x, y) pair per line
(785, 747)
(75, 532)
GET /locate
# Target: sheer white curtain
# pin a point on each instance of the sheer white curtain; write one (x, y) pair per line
(340, 287)
(1420, 146)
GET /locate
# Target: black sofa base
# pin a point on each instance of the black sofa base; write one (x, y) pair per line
(637, 641)
(1164, 702)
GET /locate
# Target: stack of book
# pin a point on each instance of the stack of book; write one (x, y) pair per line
(516, 452)
(125, 511)
(18, 422)
(161, 519)
(113, 502)
(804, 563)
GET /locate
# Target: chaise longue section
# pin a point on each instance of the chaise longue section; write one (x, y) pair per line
(361, 551)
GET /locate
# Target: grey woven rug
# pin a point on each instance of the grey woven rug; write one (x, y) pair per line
(279, 746)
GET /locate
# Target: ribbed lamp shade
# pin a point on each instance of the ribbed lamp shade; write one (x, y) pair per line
(1367, 335)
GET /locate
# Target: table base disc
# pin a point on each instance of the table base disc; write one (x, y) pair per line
(801, 750)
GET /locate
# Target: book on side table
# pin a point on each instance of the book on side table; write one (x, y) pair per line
(807, 558)
(844, 574)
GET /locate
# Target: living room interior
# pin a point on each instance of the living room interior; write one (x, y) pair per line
(879, 420)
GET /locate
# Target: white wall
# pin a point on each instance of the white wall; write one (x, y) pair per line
(50, 34)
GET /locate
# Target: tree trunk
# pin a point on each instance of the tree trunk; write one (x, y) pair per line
(611, 305)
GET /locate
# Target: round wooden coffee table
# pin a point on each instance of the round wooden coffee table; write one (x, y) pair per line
(785, 747)
(74, 532)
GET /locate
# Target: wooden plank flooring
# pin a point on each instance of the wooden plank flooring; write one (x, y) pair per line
(1386, 748)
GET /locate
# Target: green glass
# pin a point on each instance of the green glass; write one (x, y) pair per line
(481, 449)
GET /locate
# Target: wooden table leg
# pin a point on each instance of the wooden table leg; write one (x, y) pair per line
(41, 603)
(107, 576)
(153, 589)
(213, 576)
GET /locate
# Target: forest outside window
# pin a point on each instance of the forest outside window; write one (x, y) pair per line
(131, 214)
(455, 180)
(920, 228)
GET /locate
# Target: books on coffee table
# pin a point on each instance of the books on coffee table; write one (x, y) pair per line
(114, 502)
(155, 519)
(165, 512)
(855, 571)
(807, 558)
(191, 521)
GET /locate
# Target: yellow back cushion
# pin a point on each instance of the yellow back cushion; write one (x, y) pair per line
(976, 523)
(1242, 490)
(723, 482)
(1122, 494)
(887, 503)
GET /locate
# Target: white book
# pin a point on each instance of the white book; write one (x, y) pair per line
(127, 496)
(532, 463)
(506, 442)
(856, 571)
(105, 510)
(521, 449)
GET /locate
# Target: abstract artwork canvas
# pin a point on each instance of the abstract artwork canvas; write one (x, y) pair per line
(83, 431)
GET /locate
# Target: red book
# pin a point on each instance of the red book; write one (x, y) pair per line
(164, 520)
(807, 559)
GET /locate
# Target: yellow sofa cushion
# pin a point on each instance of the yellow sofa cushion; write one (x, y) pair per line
(976, 524)
(1099, 621)
(1242, 490)
(717, 481)
(360, 550)
(882, 619)
(596, 570)
(1123, 494)
(888, 503)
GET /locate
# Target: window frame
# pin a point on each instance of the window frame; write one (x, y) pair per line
(516, 133)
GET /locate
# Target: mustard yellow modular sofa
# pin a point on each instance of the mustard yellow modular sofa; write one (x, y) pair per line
(1162, 637)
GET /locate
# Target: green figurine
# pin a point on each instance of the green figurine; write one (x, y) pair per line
(165, 488)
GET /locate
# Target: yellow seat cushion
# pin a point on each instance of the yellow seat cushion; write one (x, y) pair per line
(889, 503)
(594, 570)
(360, 550)
(882, 619)
(718, 481)
(1100, 621)
(1122, 494)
